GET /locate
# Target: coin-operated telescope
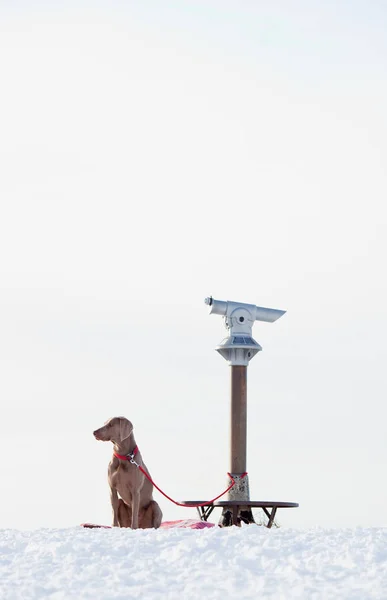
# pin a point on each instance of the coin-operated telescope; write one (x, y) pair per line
(239, 347)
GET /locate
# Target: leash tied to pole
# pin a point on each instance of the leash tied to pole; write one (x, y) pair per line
(130, 458)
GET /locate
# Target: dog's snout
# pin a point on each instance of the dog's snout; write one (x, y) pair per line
(95, 434)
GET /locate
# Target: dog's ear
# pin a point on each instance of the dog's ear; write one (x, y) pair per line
(126, 428)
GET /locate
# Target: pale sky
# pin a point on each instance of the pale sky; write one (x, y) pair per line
(152, 154)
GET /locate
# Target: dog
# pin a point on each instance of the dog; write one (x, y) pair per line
(130, 490)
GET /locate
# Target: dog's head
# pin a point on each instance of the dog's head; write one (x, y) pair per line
(115, 430)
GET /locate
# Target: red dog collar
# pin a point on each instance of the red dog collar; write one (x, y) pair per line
(129, 457)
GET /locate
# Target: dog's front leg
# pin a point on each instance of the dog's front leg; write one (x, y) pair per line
(115, 501)
(135, 508)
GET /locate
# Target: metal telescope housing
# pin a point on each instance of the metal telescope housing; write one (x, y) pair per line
(239, 347)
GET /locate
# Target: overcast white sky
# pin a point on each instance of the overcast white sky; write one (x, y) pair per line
(154, 153)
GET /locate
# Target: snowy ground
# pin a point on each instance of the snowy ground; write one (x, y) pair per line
(247, 562)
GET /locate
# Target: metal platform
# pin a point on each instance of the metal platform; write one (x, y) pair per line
(268, 507)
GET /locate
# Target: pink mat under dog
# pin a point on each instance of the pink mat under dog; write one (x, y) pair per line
(182, 523)
(190, 523)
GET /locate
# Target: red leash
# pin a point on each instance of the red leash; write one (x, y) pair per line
(130, 458)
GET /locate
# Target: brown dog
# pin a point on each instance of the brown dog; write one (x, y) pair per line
(135, 507)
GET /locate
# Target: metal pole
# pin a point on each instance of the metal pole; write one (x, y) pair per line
(238, 443)
(238, 432)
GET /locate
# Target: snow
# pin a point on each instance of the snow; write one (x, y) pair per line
(247, 562)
